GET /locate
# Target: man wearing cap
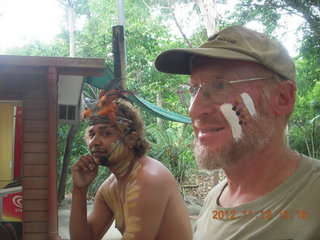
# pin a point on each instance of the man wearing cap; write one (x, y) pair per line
(140, 194)
(240, 96)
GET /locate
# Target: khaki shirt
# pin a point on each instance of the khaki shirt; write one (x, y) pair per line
(290, 211)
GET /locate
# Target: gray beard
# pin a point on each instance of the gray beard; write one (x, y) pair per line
(255, 136)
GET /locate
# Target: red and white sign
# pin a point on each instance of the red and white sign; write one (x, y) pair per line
(12, 207)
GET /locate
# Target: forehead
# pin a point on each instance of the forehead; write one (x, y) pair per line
(100, 127)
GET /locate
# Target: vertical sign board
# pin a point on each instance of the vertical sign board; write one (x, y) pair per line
(18, 143)
(11, 210)
(7, 129)
(11, 204)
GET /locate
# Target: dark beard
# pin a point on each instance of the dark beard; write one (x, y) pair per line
(104, 161)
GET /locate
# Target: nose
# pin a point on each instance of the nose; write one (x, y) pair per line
(95, 141)
(200, 105)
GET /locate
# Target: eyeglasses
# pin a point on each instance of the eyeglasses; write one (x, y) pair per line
(214, 90)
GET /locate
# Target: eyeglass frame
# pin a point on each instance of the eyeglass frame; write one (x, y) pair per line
(204, 93)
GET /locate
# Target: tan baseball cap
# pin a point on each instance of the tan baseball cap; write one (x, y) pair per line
(234, 43)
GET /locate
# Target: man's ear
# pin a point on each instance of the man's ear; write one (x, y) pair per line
(284, 98)
(132, 138)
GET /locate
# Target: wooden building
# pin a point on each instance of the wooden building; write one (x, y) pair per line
(37, 89)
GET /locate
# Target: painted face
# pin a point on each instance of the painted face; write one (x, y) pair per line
(225, 132)
(105, 145)
(238, 114)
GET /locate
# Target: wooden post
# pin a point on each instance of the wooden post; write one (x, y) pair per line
(52, 154)
(119, 55)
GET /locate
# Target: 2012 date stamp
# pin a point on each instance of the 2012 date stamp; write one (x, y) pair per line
(267, 215)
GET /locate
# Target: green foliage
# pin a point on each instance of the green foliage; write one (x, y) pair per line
(147, 35)
(172, 147)
(304, 134)
(254, 11)
(58, 48)
(308, 73)
(79, 148)
(269, 12)
(305, 123)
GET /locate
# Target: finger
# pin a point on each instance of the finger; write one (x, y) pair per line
(84, 163)
(91, 163)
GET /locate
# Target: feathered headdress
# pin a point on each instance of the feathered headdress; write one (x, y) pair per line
(105, 109)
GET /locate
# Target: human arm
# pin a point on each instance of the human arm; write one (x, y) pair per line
(84, 172)
(146, 200)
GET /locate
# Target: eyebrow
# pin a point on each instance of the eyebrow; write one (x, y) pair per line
(103, 127)
(99, 129)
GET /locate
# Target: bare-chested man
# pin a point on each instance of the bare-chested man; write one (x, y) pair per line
(140, 195)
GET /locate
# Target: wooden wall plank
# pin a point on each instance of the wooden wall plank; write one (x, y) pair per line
(10, 95)
(31, 216)
(25, 82)
(36, 236)
(37, 147)
(35, 158)
(41, 93)
(35, 126)
(35, 114)
(35, 205)
(35, 103)
(35, 171)
(35, 183)
(35, 137)
(35, 227)
(35, 194)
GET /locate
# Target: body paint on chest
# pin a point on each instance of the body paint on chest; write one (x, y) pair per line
(132, 192)
(125, 199)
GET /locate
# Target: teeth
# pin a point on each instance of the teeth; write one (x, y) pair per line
(204, 132)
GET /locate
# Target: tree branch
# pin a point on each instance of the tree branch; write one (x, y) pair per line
(271, 5)
(63, 3)
(179, 28)
(147, 6)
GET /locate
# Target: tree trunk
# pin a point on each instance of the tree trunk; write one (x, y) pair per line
(75, 126)
(72, 45)
(159, 103)
(66, 161)
(209, 13)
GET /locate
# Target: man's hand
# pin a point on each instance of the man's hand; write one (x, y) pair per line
(84, 172)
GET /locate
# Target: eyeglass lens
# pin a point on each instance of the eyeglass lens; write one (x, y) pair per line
(214, 91)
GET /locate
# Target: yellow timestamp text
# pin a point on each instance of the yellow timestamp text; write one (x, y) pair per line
(268, 214)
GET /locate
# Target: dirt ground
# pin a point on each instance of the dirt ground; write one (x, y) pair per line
(199, 184)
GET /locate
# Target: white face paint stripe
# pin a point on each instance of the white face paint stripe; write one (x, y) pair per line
(232, 119)
(247, 100)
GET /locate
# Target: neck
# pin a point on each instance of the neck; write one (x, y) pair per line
(123, 167)
(258, 173)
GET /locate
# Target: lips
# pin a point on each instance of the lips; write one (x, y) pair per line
(97, 153)
(204, 132)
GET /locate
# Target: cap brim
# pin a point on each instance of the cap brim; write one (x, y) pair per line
(177, 60)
